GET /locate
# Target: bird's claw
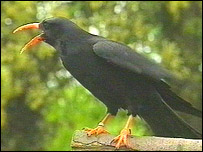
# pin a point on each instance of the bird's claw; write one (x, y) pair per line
(122, 139)
(96, 131)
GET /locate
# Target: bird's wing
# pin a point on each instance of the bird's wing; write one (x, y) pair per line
(126, 58)
(176, 102)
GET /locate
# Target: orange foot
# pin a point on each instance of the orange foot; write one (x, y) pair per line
(122, 139)
(96, 131)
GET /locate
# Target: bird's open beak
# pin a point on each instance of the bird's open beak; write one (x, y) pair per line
(36, 40)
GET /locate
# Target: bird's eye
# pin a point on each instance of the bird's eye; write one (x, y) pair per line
(45, 24)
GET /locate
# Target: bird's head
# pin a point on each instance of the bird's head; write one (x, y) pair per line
(53, 30)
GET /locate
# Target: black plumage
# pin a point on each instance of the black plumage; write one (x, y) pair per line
(120, 77)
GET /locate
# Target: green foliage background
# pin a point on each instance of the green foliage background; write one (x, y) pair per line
(41, 104)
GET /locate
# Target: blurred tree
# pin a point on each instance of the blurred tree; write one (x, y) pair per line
(41, 105)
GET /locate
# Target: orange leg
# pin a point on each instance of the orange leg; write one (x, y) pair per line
(122, 139)
(100, 128)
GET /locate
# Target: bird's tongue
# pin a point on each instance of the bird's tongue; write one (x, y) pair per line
(36, 40)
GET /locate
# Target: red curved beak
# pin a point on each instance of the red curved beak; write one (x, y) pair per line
(36, 40)
(27, 27)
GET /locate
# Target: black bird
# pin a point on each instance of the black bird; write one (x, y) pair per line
(119, 77)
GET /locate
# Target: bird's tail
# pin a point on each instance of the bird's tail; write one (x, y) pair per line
(163, 120)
